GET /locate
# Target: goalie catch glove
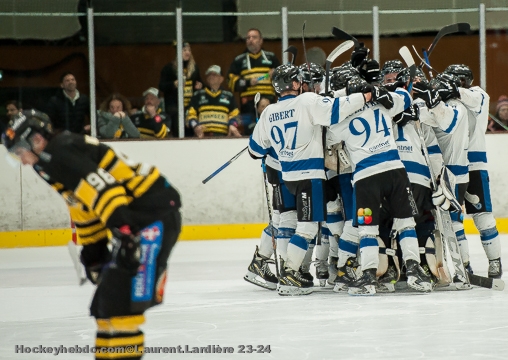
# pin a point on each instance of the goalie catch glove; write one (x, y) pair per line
(412, 113)
(427, 94)
(126, 249)
(443, 196)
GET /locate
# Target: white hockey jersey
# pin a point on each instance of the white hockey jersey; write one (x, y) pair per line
(369, 138)
(476, 101)
(293, 127)
(450, 124)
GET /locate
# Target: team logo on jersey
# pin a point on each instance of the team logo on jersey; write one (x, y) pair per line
(364, 216)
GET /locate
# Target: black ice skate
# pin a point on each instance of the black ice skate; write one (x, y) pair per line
(292, 283)
(495, 269)
(417, 279)
(259, 273)
(387, 281)
(345, 275)
(365, 285)
(332, 270)
(305, 273)
(321, 271)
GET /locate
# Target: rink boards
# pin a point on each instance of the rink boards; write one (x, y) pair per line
(231, 205)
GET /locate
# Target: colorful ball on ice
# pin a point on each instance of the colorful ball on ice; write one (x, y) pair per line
(361, 220)
(368, 220)
(360, 212)
(367, 211)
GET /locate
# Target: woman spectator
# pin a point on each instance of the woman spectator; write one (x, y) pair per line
(501, 114)
(168, 84)
(113, 121)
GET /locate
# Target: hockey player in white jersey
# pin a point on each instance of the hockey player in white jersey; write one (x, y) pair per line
(448, 118)
(379, 177)
(293, 127)
(477, 198)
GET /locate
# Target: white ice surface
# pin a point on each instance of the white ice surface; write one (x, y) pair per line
(208, 303)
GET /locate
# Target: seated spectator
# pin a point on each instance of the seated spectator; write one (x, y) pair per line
(151, 121)
(501, 114)
(113, 121)
(13, 107)
(213, 111)
(262, 104)
(168, 84)
(69, 109)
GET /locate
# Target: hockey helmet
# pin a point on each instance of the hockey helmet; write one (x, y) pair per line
(283, 77)
(22, 127)
(356, 85)
(463, 72)
(440, 81)
(316, 70)
(341, 76)
(392, 66)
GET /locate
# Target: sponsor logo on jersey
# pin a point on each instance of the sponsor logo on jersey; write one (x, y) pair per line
(269, 62)
(151, 233)
(286, 153)
(224, 100)
(364, 216)
(306, 212)
(380, 146)
(405, 148)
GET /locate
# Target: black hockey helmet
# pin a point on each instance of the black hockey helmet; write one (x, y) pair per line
(283, 77)
(391, 67)
(420, 76)
(463, 72)
(316, 70)
(341, 76)
(440, 81)
(356, 85)
(23, 126)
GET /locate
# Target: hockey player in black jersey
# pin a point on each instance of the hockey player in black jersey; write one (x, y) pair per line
(107, 194)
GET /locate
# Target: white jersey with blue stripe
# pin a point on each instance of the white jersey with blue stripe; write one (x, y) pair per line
(369, 138)
(272, 160)
(409, 147)
(476, 101)
(451, 126)
(293, 127)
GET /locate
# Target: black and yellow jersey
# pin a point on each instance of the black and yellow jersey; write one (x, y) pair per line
(151, 127)
(214, 110)
(97, 183)
(247, 66)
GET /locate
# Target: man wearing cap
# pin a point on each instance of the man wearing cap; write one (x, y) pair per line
(251, 73)
(151, 121)
(213, 111)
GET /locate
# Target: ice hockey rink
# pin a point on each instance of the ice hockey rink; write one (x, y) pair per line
(208, 303)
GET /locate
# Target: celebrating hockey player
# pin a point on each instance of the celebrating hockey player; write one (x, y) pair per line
(106, 191)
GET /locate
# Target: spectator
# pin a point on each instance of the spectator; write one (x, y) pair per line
(69, 109)
(213, 111)
(151, 121)
(501, 114)
(262, 104)
(250, 73)
(113, 120)
(168, 84)
(13, 107)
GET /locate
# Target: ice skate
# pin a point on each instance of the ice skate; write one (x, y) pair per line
(345, 275)
(332, 270)
(495, 269)
(305, 273)
(259, 273)
(387, 281)
(292, 283)
(365, 285)
(417, 279)
(322, 272)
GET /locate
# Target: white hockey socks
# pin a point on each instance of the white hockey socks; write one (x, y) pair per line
(486, 225)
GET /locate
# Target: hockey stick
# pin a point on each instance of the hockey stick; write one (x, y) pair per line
(341, 49)
(423, 60)
(73, 252)
(342, 35)
(212, 175)
(293, 51)
(256, 100)
(499, 122)
(410, 62)
(307, 60)
(448, 29)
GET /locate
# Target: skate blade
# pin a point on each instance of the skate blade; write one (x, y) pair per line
(368, 290)
(386, 288)
(259, 281)
(423, 287)
(340, 287)
(284, 290)
(461, 286)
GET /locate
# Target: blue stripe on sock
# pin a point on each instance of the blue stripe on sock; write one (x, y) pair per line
(488, 234)
(368, 241)
(326, 231)
(285, 233)
(347, 246)
(407, 233)
(299, 241)
(461, 236)
(334, 218)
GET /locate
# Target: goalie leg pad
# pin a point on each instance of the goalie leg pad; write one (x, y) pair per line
(430, 256)
(486, 225)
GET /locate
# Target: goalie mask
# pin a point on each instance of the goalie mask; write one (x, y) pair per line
(22, 127)
(463, 72)
(283, 77)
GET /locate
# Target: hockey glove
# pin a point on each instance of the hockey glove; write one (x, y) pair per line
(126, 250)
(359, 55)
(448, 90)
(443, 196)
(427, 94)
(440, 200)
(369, 70)
(382, 96)
(94, 257)
(358, 85)
(412, 113)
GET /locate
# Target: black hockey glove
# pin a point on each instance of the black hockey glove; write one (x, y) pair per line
(412, 113)
(126, 249)
(94, 257)
(359, 55)
(369, 70)
(426, 93)
(382, 96)
(358, 85)
(449, 90)
(395, 85)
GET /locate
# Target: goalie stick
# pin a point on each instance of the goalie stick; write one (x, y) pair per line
(444, 223)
